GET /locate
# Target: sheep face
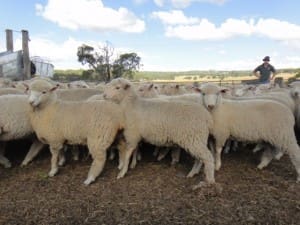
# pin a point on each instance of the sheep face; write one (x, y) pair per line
(40, 92)
(211, 95)
(295, 89)
(117, 90)
(147, 90)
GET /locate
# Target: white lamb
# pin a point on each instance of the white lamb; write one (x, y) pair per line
(255, 121)
(15, 124)
(163, 124)
(57, 122)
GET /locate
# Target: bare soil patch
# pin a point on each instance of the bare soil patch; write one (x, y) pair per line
(153, 193)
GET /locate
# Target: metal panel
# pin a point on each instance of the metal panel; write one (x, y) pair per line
(11, 65)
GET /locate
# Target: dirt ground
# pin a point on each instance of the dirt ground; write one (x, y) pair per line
(153, 193)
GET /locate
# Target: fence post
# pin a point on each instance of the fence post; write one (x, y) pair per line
(9, 40)
(26, 59)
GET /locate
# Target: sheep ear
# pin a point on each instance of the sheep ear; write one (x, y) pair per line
(197, 89)
(223, 91)
(150, 87)
(53, 89)
(26, 87)
(126, 86)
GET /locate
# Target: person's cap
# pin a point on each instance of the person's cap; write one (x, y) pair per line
(267, 58)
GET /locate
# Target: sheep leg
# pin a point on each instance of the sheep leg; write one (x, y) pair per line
(175, 153)
(294, 153)
(55, 151)
(127, 156)
(162, 153)
(196, 168)
(3, 160)
(34, 150)
(112, 154)
(218, 158)
(201, 152)
(278, 153)
(75, 152)
(99, 158)
(62, 157)
(134, 159)
(258, 147)
(235, 145)
(227, 146)
(156, 151)
(139, 156)
(266, 158)
(122, 150)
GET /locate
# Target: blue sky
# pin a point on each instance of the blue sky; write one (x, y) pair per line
(169, 35)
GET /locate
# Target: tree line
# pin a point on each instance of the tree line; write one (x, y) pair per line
(103, 64)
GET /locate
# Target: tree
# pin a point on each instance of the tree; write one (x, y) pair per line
(126, 65)
(100, 61)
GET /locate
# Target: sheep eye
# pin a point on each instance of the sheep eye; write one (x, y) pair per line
(44, 92)
(117, 88)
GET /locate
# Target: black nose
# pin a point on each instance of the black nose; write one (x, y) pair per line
(210, 107)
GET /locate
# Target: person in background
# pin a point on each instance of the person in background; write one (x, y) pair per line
(266, 71)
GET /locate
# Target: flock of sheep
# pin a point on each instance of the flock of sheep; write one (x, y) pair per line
(203, 121)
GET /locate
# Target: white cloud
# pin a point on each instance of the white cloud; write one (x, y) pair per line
(90, 15)
(277, 29)
(174, 17)
(62, 55)
(190, 28)
(205, 30)
(186, 3)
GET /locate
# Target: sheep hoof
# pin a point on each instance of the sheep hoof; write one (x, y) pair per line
(173, 163)
(62, 162)
(139, 157)
(279, 155)
(160, 157)
(53, 172)
(217, 167)
(111, 156)
(190, 175)
(201, 184)
(261, 166)
(120, 175)
(132, 165)
(120, 166)
(23, 164)
(89, 180)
